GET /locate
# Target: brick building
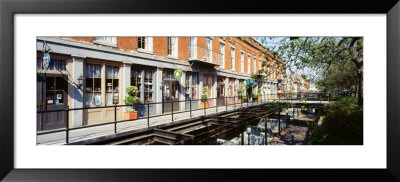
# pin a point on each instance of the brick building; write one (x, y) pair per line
(110, 64)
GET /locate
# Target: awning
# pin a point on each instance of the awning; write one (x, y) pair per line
(250, 83)
(195, 62)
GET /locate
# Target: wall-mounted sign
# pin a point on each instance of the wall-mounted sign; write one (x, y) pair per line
(177, 74)
(46, 60)
(59, 96)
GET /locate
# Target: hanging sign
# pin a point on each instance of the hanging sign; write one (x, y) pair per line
(46, 60)
(177, 74)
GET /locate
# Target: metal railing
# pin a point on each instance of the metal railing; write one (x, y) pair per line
(264, 99)
(204, 54)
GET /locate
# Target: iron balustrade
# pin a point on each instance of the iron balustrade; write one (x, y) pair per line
(277, 97)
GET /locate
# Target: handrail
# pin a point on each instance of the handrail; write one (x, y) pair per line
(276, 97)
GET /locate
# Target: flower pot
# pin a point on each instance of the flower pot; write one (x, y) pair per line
(130, 115)
(259, 98)
(239, 101)
(203, 105)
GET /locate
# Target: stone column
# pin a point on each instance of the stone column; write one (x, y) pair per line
(182, 91)
(126, 77)
(158, 90)
(77, 94)
(214, 90)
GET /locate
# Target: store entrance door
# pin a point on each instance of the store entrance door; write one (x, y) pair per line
(52, 95)
(221, 92)
(170, 94)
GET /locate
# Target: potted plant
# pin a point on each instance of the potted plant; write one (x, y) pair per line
(131, 99)
(204, 97)
(259, 94)
(255, 96)
(240, 93)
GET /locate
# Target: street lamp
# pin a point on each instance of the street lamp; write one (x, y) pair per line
(80, 82)
(248, 130)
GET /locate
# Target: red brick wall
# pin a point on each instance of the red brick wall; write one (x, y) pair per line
(160, 46)
(183, 48)
(83, 39)
(127, 43)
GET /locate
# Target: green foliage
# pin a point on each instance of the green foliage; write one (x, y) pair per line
(132, 98)
(204, 96)
(342, 124)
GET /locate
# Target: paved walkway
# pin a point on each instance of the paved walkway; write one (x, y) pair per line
(296, 133)
(98, 131)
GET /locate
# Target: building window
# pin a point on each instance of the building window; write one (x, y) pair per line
(55, 88)
(222, 50)
(231, 87)
(112, 83)
(108, 41)
(145, 44)
(136, 80)
(248, 63)
(148, 85)
(208, 82)
(55, 64)
(93, 85)
(254, 65)
(192, 48)
(233, 59)
(242, 62)
(208, 50)
(191, 86)
(172, 48)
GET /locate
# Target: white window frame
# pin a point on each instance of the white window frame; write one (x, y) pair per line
(192, 48)
(209, 49)
(233, 51)
(255, 64)
(148, 45)
(107, 41)
(174, 47)
(241, 61)
(222, 50)
(248, 63)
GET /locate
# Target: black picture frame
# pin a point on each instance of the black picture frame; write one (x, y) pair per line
(8, 8)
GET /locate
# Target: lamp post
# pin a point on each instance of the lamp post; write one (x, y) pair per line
(248, 130)
(80, 82)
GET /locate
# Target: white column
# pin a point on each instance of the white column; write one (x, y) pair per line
(77, 94)
(214, 93)
(158, 89)
(226, 86)
(237, 86)
(126, 82)
(182, 91)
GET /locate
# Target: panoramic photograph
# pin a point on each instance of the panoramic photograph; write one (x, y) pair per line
(199, 90)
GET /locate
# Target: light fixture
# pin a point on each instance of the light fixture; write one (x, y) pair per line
(80, 82)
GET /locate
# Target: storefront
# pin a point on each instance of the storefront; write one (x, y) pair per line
(170, 91)
(191, 90)
(208, 81)
(52, 91)
(221, 91)
(102, 83)
(231, 91)
(143, 78)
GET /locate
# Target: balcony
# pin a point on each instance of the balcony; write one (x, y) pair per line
(203, 56)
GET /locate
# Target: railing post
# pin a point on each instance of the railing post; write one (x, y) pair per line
(190, 107)
(266, 131)
(115, 118)
(204, 104)
(172, 115)
(279, 121)
(216, 104)
(148, 114)
(67, 125)
(226, 103)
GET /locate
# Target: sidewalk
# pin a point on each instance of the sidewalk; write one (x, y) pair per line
(98, 131)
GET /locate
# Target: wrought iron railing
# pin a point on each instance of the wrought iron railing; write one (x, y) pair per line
(228, 101)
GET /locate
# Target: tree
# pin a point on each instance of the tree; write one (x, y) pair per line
(319, 54)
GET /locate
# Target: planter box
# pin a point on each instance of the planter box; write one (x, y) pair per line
(130, 115)
(203, 105)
